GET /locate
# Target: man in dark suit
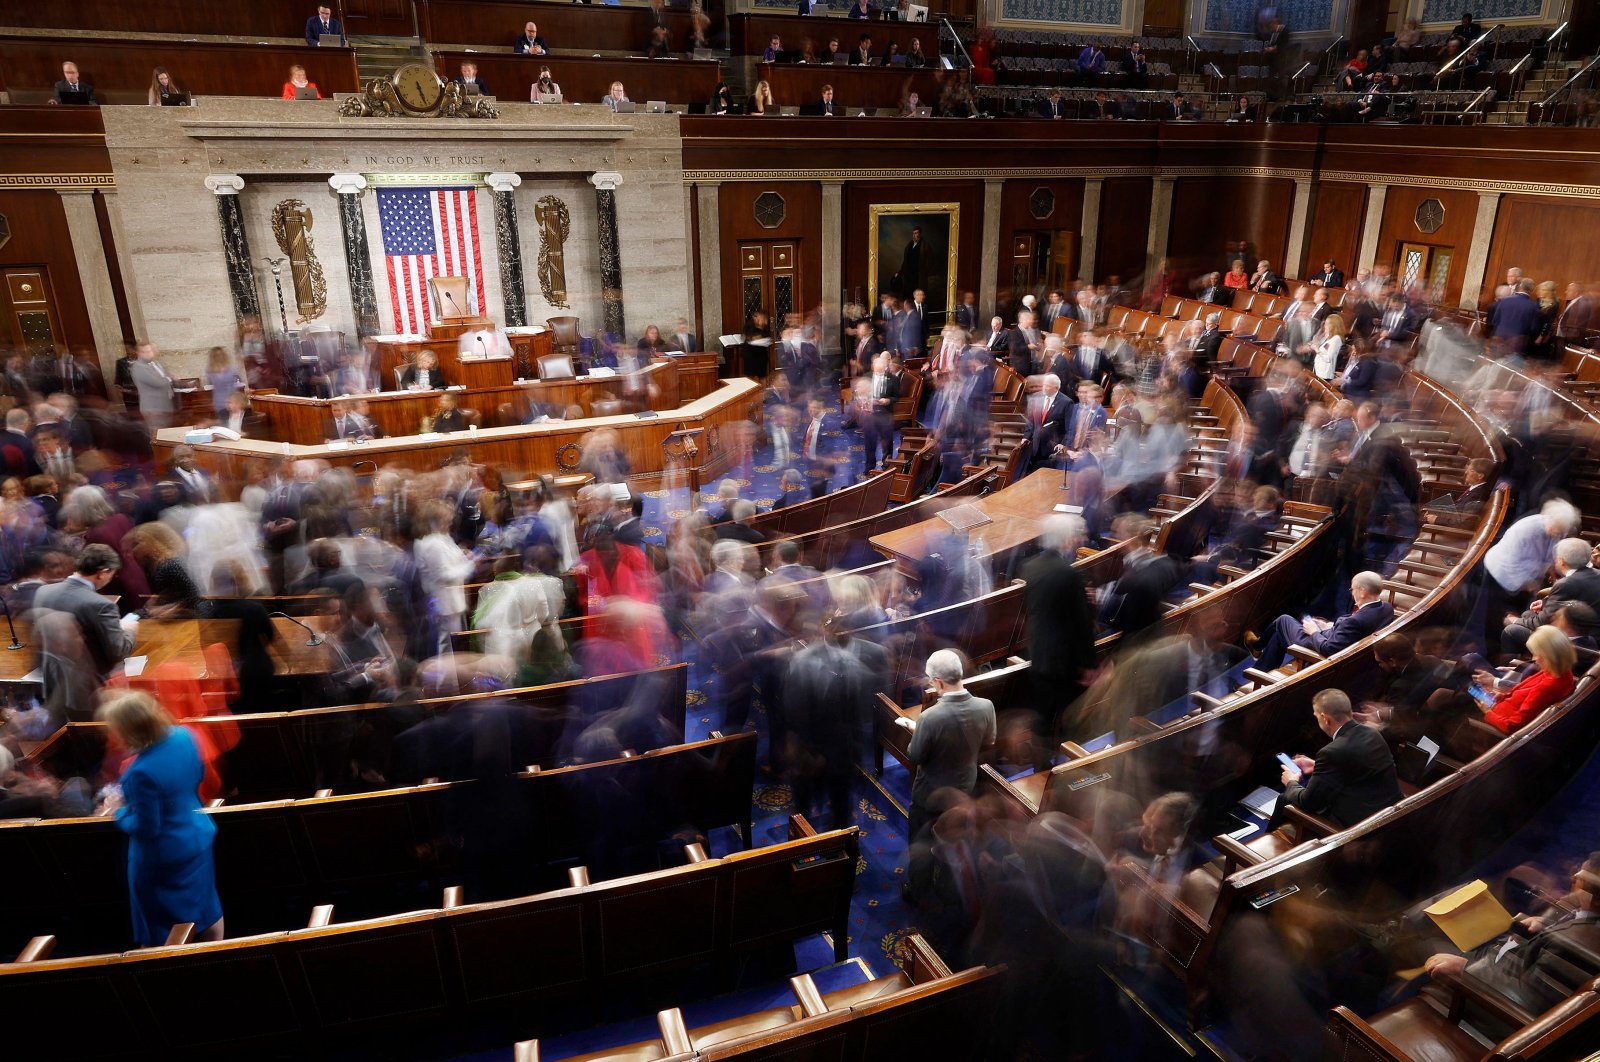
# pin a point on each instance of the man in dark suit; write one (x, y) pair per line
(998, 339)
(1208, 344)
(1370, 614)
(1215, 291)
(1577, 580)
(1179, 110)
(469, 79)
(819, 446)
(81, 636)
(1353, 775)
(1572, 327)
(829, 695)
(1088, 364)
(918, 323)
(682, 338)
(862, 55)
(966, 315)
(1087, 419)
(1051, 106)
(1054, 303)
(1025, 343)
(1060, 621)
(71, 83)
(800, 363)
(1330, 277)
(1104, 107)
(1047, 413)
(353, 421)
(866, 347)
(1397, 324)
(824, 107)
(323, 24)
(877, 431)
(1515, 319)
(449, 418)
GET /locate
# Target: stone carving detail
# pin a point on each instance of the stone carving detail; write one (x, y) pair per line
(291, 227)
(555, 224)
(379, 100)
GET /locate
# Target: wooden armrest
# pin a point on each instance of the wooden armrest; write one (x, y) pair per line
(454, 896)
(182, 933)
(526, 1051)
(1260, 677)
(577, 877)
(1503, 1009)
(319, 794)
(1234, 853)
(799, 827)
(674, 1035)
(1305, 653)
(922, 963)
(805, 992)
(321, 916)
(1206, 700)
(695, 853)
(1307, 824)
(1074, 750)
(38, 949)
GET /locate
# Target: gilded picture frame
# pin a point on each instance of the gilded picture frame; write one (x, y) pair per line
(890, 227)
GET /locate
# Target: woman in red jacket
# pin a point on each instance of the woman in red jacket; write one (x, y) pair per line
(1552, 682)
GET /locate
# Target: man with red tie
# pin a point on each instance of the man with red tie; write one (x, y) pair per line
(1048, 411)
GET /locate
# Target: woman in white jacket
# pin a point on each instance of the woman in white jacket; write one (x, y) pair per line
(442, 567)
(1330, 346)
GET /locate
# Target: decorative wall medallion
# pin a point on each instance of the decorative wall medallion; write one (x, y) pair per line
(555, 223)
(770, 210)
(1042, 203)
(291, 227)
(568, 456)
(5, 230)
(1430, 215)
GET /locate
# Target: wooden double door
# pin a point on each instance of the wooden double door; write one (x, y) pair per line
(30, 321)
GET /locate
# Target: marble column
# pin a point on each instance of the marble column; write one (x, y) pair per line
(832, 260)
(1299, 230)
(1155, 247)
(708, 222)
(605, 194)
(989, 264)
(1478, 253)
(98, 296)
(1371, 225)
(235, 244)
(509, 245)
(357, 258)
(1089, 228)
(130, 277)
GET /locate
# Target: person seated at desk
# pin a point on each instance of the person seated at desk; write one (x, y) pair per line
(449, 418)
(1554, 656)
(721, 101)
(824, 107)
(1243, 110)
(760, 101)
(862, 56)
(891, 52)
(1051, 106)
(911, 106)
(1104, 107)
(1369, 615)
(650, 344)
(616, 97)
(545, 86)
(323, 24)
(827, 54)
(73, 89)
(298, 80)
(916, 59)
(774, 50)
(423, 374)
(861, 9)
(1353, 775)
(163, 88)
(353, 420)
(530, 43)
(469, 79)
(237, 416)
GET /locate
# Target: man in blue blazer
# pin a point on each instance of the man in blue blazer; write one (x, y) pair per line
(1369, 615)
(323, 24)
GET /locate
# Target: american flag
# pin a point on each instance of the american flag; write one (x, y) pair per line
(428, 232)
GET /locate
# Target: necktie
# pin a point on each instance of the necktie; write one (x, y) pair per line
(812, 434)
(780, 446)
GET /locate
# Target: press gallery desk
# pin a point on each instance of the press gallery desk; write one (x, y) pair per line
(309, 421)
(553, 448)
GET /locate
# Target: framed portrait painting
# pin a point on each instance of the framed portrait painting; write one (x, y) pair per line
(911, 246)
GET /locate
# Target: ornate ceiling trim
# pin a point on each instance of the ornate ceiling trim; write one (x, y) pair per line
(1471, 184)
(58, 180)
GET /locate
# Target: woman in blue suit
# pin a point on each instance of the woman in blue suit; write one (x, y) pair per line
(171, 879)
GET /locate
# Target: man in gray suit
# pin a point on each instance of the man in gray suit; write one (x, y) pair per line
(81, 638)
(946, 740)
(156, 400)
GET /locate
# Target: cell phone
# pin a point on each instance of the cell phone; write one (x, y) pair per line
(1481, 695)
(1289, 764)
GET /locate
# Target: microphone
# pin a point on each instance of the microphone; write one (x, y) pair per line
(15, 643)
(452, 302)
(481, 349)
(316, 639)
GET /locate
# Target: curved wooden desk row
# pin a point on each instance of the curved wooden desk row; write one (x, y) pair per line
(276, 755)
(555, 447)
(537, 959)
(585, 79)
(278, 858)
(310, 421)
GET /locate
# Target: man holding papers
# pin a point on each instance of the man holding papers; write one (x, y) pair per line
(1353, 775)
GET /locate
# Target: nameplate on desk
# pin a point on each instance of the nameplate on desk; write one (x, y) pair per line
(1070, 510)
(1272, 896)
(1084, 783)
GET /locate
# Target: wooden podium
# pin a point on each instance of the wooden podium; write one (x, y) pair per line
(680, 453)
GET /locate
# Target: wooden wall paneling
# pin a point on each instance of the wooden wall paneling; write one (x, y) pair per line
(40, 237)
(55, 141)
(1547, 238)
(567, 29)
(1399, 226)
(587, 80)
(1015, 217)
(860, 196)
(1124, 230)
(1211, 213)
(1335, 225)
(736, 220)
(119, 68)
(748, 34)
(228, 17)
(854, 87)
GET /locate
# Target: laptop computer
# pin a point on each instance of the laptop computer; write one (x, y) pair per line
(330, 40)
(549, 97)
(305, 92)
(626, 108)
(702, 54)
(472, 88)
(175, 99)
(656, 107)
(841, 59)
(922, 112)
(77, 96)
(897, 60)
(917, 13)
